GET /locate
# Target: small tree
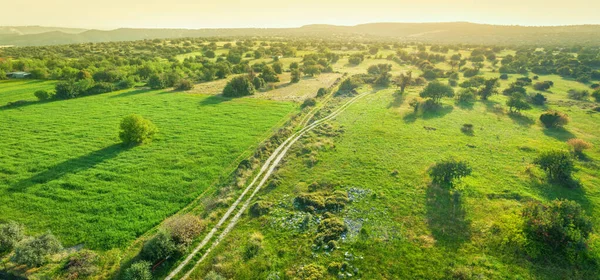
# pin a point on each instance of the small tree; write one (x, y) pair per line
(138, 271)
(447, 171)
(278, 67)
(557, 164)
(184, 229)
(42, 95)
(517, 103)
(558, 226)
(309, 102)
(552, 119)
(258, 82)
(437, 90)
(269, 75)
(184, 84)
(10, 234)
(404, 80)
(34, 252)
(156, 82)
(295, 74)
(239, 86)
(579, 145)
(489, 89)
(159, 247)
(538, 99)
(136, 130)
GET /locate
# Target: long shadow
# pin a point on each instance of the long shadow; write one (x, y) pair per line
(491, 106)
(560, 134)
(398, 101)
(24, 103)
(130, 93)
(446, 217)
(214, 100)
(439, 113)
(70, 166)
(465, 105)
(551, 191)
(521, 120)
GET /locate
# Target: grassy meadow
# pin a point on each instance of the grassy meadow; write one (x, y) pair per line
(400, 226)
(63, 169)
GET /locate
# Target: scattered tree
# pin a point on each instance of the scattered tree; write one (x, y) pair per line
(34, 252)
(558, 165)
(404, 80)
(553, 119)
(239, 86)
(448, 171)
(10, 234)
(138, 271)
(436, 90)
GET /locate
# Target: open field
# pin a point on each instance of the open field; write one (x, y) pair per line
(62, 167)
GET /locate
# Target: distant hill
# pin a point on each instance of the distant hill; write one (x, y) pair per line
(456, 32)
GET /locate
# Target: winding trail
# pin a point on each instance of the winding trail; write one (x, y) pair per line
(267, 170)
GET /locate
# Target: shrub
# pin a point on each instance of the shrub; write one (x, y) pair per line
(254, 245)
(42, 95)
(34, 252)
(447, 171)
(138, 271)
(295, 76)
(558, 165)
(560, 226)
(310, 272)
(309, 102)
(596, 95)
(239, 86)
(184, 84)
(329, 229)
(260, 208)
(184, 228)
(212, 275)
(543, 86)
(258, 82)
(552, 119)
(101, 87)
(82, 264)
(578, 94)
(126, 83)
(504, 77)
(156, 82)
(467, 128)
(269, 75)
(350, 84)
(470, 72)
(159, 247)
(136, 130)
(466, 95)
(10, 234)
(579, 145)
(538, 99)
(321, 92)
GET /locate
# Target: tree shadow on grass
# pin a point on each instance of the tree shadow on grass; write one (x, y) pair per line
(493, 107)
(446, 217)
(71, 166)
(560, 134)
(131, 92)
(465, 105)
(554, 190)
(439, 113)
(214, 100)
(398, 101)
(24, 103)
(520, 119)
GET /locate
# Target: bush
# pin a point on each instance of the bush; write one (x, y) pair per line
(537, 99)
(504, 77)
(309, 102)
(351, 84)
(184, 84)
(156, 82)
(138, 271)
(447, 171)
(239, 86)
(34, 252)
(126, 83)
(552, 119)
(453, 83)
(578, 94)
(260, 208)
(159, 247)
(212, 275)
(10, 234)
(329, 229)
(321, 92)
(101, 87)
(560, 226)
(295, 76)
(470, 72)
(543, 86)
(596, 95)
(82, 264)
(136, 130)
(42, 95)
(579, 145)
(184, 228)
(558, 165)
(467, 128)
(466, 95)
(254, 245)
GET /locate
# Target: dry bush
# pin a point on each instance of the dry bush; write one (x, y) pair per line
(579, 145)
(184, 228)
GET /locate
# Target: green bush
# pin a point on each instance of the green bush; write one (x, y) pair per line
(321, 92)
(156, 82)
(238, 87)
(466, 95)
(136, 130)
(295, 76)
(578, 94)
(553, 119)
(10, 234)
(538, 99)
(126, 83)
(82, 264)
(258, 82)
(34, 252)
(42, 95)
(260, 208)
(309, 102)
(254, 245)
(159, 247)
(447, 171)
(596, 95)
(558, 165)
(138, 271)
(184, 84)
(559, 226)
(212, 275)
(329, 229)
(467, 128)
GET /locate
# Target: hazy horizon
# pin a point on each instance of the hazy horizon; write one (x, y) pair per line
(187, 14)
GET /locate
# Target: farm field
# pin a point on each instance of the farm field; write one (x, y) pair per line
(62, 167)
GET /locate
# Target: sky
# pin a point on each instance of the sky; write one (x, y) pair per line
(110, 14)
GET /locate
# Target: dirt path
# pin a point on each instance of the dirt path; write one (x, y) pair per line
(267, 170)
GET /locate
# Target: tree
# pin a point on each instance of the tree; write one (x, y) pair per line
(489, 88)
(517, 102)
(436, 90)
(234, 57)
(538, 99)
(295, 75)
(159, 247)
(309, 102)
(258, 82)
(269, 75)
(312, 70)
(138, 271)
(278, 67)
(404, 80)
(136, 130)
(184, 228)
(558, 165)
(42, 95)
(239, 86)
(596, 95)
(156, 82)
(10, 234)
(184, 85)
(559, 226)
(553, 119)
(66, 90)
(448, 171)
(33, 252)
